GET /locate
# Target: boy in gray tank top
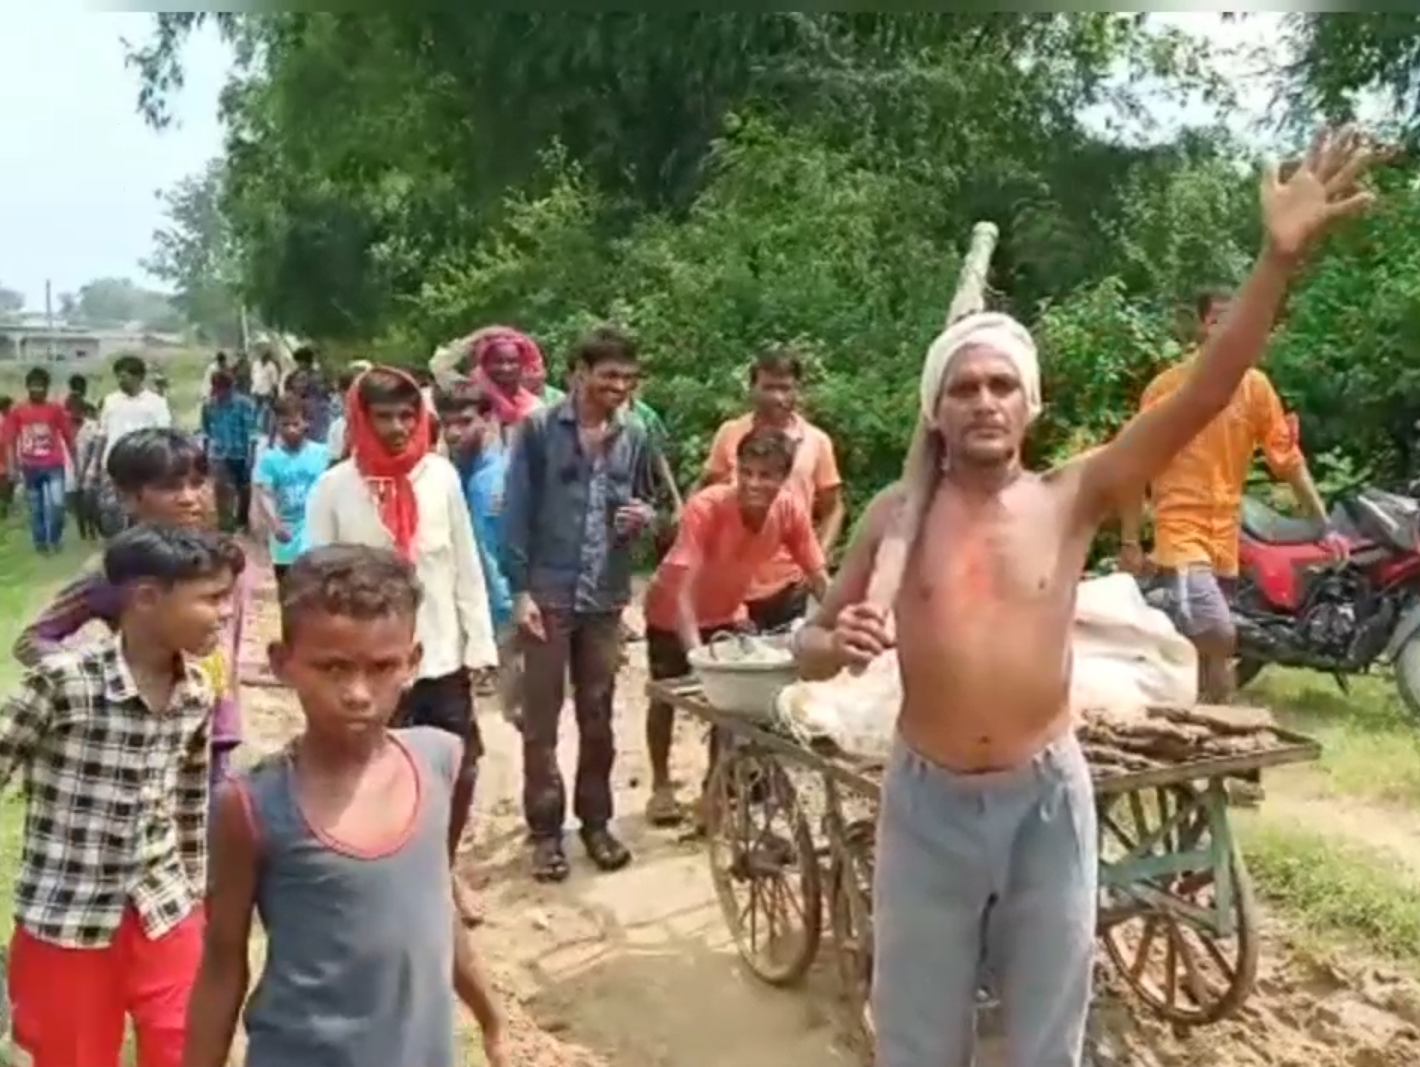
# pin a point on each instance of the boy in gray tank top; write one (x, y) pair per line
(339, 844)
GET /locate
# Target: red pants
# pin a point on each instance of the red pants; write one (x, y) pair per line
(70, 1004)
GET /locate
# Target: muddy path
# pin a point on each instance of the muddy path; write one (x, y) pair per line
(636, 969)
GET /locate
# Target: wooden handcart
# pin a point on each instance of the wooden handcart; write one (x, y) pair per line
(1177, 919)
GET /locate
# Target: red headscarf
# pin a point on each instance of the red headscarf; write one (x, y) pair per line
(510, 407)
(388, 475)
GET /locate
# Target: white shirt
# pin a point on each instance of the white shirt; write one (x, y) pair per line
(335, 439)
(264, 377)
(454, 624)
(121, 414)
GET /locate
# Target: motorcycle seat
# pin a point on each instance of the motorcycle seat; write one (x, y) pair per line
(1263, 524)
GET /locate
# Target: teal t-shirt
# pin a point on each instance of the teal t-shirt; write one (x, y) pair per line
(288, 476)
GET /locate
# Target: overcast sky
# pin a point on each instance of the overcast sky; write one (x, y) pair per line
(79, 169)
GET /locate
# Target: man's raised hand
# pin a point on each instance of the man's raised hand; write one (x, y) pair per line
(1321, 190)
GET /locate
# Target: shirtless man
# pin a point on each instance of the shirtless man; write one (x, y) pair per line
(987, 835)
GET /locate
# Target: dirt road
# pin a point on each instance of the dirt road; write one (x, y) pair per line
(635, 969)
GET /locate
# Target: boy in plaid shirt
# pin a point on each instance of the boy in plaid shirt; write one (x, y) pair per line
(112, 741)
(162, 476)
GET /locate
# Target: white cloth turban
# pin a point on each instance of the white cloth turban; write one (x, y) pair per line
(987, 329)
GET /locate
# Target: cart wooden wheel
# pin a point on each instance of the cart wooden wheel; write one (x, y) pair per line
(851, 914)
(1169, 952)
(764, 865)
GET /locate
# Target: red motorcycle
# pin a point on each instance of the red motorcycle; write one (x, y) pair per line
(1297, 606)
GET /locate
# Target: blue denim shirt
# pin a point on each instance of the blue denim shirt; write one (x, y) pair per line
(484, 475)
(558, 541)
(230, 425)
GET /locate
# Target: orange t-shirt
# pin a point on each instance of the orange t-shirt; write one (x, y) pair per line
(725, 555)
(815, 471)
(1198, 499)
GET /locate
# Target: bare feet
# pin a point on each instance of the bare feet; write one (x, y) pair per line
(470, 914)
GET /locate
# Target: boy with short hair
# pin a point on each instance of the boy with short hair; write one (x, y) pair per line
(394, 492)
(339, 844)
(112, 740)
(161, 476)
(727, 534)
(285, 475)
(39, 439)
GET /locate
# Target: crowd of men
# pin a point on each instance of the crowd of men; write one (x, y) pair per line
(510, 511)
(429, 529)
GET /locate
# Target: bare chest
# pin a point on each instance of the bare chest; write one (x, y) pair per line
(1013, 551)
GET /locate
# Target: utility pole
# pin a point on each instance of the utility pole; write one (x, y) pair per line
(49, 317)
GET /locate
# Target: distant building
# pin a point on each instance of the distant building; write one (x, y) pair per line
(62, 344)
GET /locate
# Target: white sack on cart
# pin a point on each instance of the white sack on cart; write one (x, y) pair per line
(1127, 657)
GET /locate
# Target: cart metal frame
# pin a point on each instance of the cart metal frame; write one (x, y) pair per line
(1177, 918)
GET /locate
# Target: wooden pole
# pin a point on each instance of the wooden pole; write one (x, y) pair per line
(919, 470)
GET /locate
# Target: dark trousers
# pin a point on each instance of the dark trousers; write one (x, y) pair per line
(778, 610)
(588, 648)
(234, 479)
(445, 703)
(84, 505)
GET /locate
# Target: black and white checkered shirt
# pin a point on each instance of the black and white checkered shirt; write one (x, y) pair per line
(116, 812)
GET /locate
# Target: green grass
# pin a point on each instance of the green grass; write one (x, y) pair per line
(1337, 889)
(29, 580)
(1344, 892)
(1370, 745)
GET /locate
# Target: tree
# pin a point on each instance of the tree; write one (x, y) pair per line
(717, 182)
(194, 252)
(12, 301)
(117, 302)
(364, 149)
(1339, 58)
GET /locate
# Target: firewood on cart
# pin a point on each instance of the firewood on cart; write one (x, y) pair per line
(1221, 719)
(1099, 756)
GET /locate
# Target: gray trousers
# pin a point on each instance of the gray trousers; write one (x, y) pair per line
(1001, 868)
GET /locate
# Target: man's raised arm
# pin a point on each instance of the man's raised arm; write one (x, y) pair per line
(1296, 212)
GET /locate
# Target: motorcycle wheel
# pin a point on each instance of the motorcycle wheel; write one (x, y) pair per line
(1407, 674)
(1245, 670)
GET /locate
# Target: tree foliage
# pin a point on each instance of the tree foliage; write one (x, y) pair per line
(716, 182)
(11, 301)
(118, 302)
(194, 252)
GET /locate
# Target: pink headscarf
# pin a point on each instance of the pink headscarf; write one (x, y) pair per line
(515, 406)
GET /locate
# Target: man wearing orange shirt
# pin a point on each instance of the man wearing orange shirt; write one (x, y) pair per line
(1197, 505)
(727, 534)
(779, 593)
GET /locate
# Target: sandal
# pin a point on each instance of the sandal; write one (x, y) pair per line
(663, 809)
(604, 850)
(549, 861)
(699, 829)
